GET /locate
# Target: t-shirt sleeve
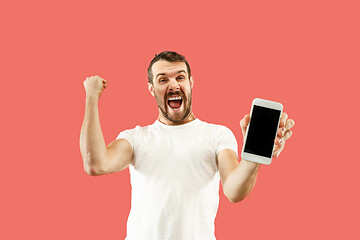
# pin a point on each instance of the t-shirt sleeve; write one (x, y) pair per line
(226, 140)
(129, 135)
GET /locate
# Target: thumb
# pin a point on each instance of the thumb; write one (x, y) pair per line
(244, 123)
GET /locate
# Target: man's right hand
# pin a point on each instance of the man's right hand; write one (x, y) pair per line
(95, 85)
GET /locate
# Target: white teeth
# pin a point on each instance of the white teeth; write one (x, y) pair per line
(175, 98)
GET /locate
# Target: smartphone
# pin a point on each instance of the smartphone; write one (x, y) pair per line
(261, 132)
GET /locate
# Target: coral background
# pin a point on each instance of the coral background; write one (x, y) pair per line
(304, 54)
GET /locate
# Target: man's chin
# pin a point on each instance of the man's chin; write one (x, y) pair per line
(176, 118)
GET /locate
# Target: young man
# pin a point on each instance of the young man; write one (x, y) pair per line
(176, 163)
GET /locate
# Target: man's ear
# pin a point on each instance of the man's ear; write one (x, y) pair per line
(191, 82)
(151, 89)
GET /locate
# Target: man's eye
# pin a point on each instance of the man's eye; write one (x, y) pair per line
(162, 80)
(181, 77)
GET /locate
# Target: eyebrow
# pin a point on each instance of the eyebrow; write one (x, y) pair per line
(163, 74)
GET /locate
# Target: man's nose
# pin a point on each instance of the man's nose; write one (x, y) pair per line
(174, 85)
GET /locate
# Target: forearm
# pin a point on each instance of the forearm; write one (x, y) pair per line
(92, 143)
(241, 180)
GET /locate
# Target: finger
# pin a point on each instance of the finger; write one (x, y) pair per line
(276, 154)
(281, 131)
(287, 135)
(279, 141)
(278, 149)
(284, 116)
(289, 124)
(279, 145)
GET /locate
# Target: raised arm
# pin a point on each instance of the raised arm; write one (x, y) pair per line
(98, 158)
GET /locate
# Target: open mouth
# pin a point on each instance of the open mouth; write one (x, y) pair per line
(175, 102)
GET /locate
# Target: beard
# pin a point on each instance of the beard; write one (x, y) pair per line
(163, 106)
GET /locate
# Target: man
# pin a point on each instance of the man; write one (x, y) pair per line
(177, 162)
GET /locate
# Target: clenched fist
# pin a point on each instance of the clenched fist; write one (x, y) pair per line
(95, 85)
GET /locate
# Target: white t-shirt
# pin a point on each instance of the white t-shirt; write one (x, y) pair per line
(175, 180)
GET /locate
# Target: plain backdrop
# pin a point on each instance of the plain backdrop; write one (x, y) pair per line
(304, 54)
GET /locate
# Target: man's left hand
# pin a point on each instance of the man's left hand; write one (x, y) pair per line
(283, 133)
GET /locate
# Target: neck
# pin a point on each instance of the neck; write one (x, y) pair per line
(191, 117)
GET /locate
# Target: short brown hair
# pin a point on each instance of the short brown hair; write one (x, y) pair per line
(170, 57)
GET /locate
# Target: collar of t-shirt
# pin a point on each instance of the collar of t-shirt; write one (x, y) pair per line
(163, 125)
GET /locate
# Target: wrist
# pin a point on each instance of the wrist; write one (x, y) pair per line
(92, 96)
(251, 164)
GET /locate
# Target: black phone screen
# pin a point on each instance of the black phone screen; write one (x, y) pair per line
(262, 131)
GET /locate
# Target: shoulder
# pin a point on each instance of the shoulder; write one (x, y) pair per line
(216, 128)
(224, 138)
(133, 132)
